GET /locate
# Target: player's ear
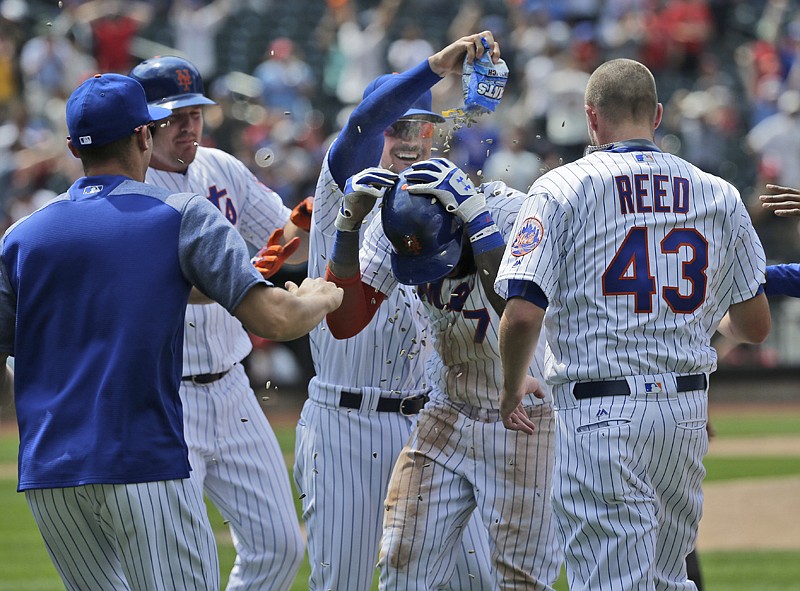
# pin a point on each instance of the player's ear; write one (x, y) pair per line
(72, 148)
(591, 117)
(659, 115)
(143, 137)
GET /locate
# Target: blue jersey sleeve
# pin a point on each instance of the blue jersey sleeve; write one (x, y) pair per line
(783, 280)
(360, 143)
(213, 255)
(527, 290)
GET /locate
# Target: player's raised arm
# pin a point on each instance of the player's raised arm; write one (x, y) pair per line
(358, 146)
(360, 301)
(451, 58)
(452, 187)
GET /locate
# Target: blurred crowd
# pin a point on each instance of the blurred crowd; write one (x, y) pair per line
(286, 74)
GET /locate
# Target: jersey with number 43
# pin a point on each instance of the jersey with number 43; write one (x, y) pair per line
(639, 254)
(461, 321)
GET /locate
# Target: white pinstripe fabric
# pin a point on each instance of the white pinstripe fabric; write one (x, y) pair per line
(583, 229)
(454, 465)
(629, 495)
(214, 340)
(150, 536)
(460, 457)
(629, 469)
(344, 457)
(238, 464)
(235, 456)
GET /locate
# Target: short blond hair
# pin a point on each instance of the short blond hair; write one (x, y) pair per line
(623, 90)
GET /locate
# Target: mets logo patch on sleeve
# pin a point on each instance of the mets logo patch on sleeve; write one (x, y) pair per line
(529, 236)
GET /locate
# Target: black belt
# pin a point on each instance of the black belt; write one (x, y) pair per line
(620, 387)
(410, 405)
(204, 378)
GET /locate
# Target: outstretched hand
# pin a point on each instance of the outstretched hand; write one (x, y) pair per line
(449, 184)
(450, 60)
(271, 257)
(319, 288)
(784, 201)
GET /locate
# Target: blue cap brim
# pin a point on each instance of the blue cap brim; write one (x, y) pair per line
(158, 113)
(416, 270)
(183, 100)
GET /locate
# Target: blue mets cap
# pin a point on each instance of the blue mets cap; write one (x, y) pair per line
(420, 108)
(108, 107)
(425, 237)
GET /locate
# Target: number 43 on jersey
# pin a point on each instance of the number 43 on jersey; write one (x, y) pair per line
(629, 272)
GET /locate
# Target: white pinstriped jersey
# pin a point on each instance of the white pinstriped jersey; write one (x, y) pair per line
(640, 254)
(466, 364)
(214, 339)
(387, 349)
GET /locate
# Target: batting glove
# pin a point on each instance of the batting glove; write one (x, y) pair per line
(449, 184)
(301, 214)
(270, 258)
(361, 191)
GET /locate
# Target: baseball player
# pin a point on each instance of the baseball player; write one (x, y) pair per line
(631, 258)
(93, 287)
(359, 413)
(233, 451)
(459, 459)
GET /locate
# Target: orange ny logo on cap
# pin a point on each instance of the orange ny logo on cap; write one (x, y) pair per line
(184, 79)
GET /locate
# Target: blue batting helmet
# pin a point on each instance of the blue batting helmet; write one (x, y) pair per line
(425, 237)
(171, 82)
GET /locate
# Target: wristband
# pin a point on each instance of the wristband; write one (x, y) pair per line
(478, 223)
(484, 234)
(344, 252)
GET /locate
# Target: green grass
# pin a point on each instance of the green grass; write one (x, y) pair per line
(25, 565)
(751, 571)
(755, 424)
(733, 467)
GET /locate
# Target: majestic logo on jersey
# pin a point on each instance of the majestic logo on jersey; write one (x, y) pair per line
(601, 413)
(184, 79)
(528, 237)
(92, 189)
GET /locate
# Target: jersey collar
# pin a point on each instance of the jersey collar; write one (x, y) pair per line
(639, 145)
(95, 186)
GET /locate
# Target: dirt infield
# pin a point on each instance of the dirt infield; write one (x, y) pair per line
(758, 514)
